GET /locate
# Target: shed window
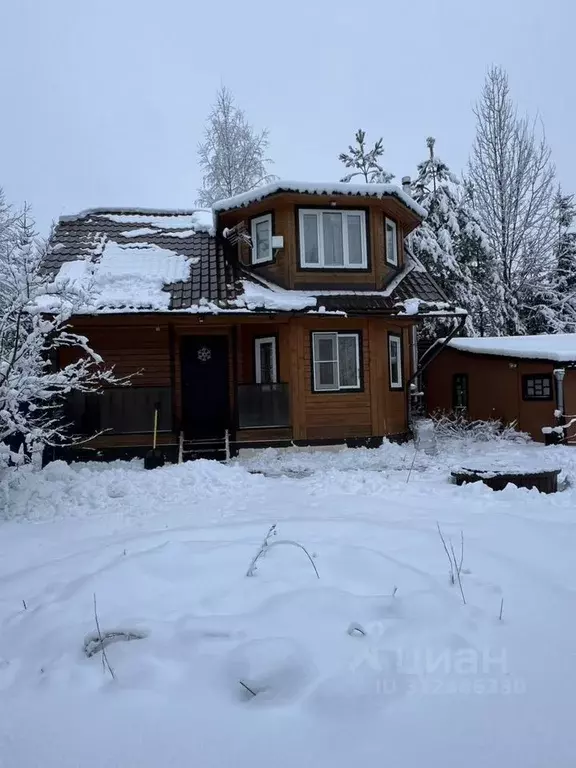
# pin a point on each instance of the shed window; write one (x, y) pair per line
(336, 361)
(391, 243)
(460, 391)
(333, 239)
(395, 360)
(537, 387)
(265, 356)
(262, 239)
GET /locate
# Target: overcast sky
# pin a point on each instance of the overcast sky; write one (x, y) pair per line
(103, 103)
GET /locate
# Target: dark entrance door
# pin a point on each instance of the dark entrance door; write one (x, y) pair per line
(205, 392)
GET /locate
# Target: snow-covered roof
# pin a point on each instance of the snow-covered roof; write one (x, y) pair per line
(560, 347)
(127, 277)
(132, 260)
(320, 188)
(136, 260)
(199, 220)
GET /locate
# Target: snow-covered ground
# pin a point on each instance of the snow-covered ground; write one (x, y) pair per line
(431, 682)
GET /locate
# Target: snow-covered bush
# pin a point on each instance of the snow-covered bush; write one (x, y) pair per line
(34, 315)
(458, 426)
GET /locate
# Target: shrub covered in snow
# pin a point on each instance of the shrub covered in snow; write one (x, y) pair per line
(457, 425)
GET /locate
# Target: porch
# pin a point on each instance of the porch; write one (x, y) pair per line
(251, 378)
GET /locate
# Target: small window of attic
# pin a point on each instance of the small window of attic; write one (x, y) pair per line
(261, 232)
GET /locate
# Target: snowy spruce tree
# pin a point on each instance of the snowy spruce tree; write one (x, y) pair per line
(513, 181)
(557, 298)
(451, 244)
(34, 314)
(233, 154)
(364, 162)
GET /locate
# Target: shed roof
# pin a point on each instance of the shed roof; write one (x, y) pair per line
(560, 347)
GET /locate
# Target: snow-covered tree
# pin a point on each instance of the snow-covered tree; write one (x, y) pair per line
(364, 161)
(513, 180)
(557, 297)
(34, 311)
(233, 154)
(451, 243)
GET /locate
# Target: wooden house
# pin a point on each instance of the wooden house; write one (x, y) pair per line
(283, 315)
(529, 381)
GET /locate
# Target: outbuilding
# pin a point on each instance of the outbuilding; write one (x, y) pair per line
(521, 380)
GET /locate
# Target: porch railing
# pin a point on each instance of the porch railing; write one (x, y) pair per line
(263, 405)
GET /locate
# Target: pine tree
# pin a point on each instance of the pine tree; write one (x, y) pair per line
(365, 161)
(450, 243)
(233, 154)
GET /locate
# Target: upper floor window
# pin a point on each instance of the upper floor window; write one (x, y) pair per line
(391, 242)
(395, 360)
(336, 361)
(333, 239)
(262, 239)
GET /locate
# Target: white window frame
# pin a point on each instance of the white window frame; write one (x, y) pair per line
(267, 217)
(317, 387)
(391, 259)
(320, 230)
(258, 343)
(395, 340)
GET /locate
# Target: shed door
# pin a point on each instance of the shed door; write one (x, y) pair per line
(205, 390)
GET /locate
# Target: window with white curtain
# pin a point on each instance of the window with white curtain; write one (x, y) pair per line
(265, 356)
(336, 361)
(395, 361)
(333, 239)
(261, 232)
(391, 242)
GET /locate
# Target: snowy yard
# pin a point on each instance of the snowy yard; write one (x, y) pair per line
(431, 682)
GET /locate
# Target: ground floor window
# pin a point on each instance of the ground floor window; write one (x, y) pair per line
(460, 391)
(537, 387)
(265, 356)
(395, 360)
(336, 361)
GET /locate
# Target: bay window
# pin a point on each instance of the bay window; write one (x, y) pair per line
(336, 361)
(333, 239)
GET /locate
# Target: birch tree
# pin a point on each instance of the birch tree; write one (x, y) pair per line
(233, 155)
(513, 180)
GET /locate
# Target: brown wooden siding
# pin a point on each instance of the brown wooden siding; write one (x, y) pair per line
(139, 351)
(373, 411)
(495, 389)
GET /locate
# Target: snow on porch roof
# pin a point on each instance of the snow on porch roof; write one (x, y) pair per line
(560, 347)
(320, 188)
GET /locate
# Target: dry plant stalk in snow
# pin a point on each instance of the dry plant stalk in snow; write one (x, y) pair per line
(266, 546)
(105, 662)
(455, 565)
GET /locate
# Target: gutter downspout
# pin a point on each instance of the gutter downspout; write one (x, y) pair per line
(427, 358)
